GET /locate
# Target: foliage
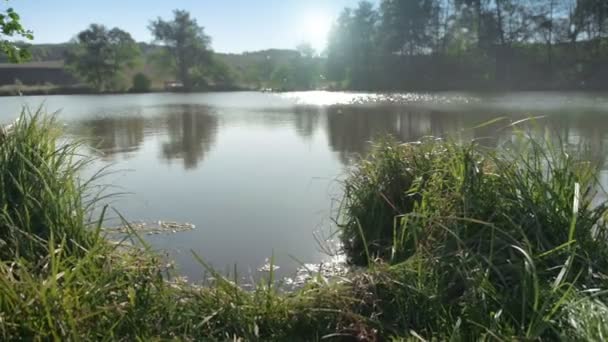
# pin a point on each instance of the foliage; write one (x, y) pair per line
(475, 44)
(301, 72)
(10, 26)
(100, 56)
(408, 25)
(141, 83)
(221, 73)
(299, 69)
(187, 44)
(352, 50)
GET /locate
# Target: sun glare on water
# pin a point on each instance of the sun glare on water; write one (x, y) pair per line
(316, 27)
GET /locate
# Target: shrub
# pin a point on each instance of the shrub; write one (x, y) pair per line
(141, 83)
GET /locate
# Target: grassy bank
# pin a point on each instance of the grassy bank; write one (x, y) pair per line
(23, 90)
(455, 242)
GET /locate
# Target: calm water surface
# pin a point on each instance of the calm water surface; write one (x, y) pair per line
(258, 174)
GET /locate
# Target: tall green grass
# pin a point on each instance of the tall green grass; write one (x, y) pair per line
(42, 195)
(484, 242)
(60, 279)
(457, 242)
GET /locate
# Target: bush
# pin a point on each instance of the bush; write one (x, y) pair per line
(498, 240)
(141, 83)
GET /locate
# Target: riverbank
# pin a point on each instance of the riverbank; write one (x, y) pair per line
(9, 91)
(454, 242)
(25, 90)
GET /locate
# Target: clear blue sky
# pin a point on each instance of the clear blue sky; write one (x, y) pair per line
(234, 25)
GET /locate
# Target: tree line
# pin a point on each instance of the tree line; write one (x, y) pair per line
(183, 52)
(100, 56)
(470, 44)
(394, 45)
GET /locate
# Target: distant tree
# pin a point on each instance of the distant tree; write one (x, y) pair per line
(221, 73)
(282, 78)
(339, 48)
(406, 25)
(300, 72)
(10, 27)
(438, 44)
(592, 18)
(100, 56)
(186, 43)
(475, 13)
(305, 50)
(305, 68)
(353, 45)
(364, 43)
(141, 83)
(548, 25)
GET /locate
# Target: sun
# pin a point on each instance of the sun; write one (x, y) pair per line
(316, 27)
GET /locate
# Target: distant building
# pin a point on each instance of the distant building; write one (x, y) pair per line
(173, 86)
(36, 73)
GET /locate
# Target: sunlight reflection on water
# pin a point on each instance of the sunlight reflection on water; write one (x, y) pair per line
(326, 98)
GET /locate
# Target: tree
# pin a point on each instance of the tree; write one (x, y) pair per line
(10, 26)
(100, 56)
(364, 45)
(339, 47)
(141, 83)
(352, 45)
(592, 18)
(186, 43)
(305, 68)
(476, 13)
(300, 72)
(547, 26)
(407, 25)
(439, 44)
(221, 74)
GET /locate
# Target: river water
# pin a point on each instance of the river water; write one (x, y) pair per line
(258, 174)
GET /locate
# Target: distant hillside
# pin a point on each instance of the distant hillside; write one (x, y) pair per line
(247, 60)
(249, 68)
(44, 52)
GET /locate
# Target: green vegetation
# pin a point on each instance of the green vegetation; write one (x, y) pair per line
(470, 44)
(10, 26)
(301, 72)
(496, 243)
(187, 46)
(100, 56)
(391, 46)
(457, 243)
(299, 69)
(141, 83)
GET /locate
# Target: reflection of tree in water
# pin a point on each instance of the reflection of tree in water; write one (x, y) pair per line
(352, 128)
(306, 120)
(113, 136)
(192, 131)
(585, 135)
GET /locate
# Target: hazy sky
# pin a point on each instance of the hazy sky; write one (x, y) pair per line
(234, 25)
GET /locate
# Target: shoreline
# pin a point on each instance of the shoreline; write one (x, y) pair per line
(64, 91)
(88, 91)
